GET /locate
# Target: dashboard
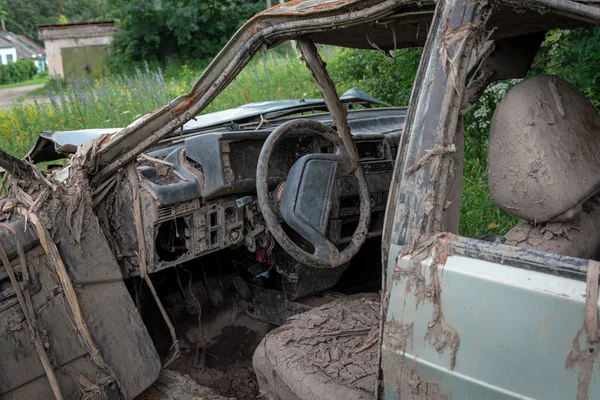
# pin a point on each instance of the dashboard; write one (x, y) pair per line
(200, 192)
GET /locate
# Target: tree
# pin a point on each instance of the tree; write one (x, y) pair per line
(189, 29)
(23, 16)
(575, 56)
(85, 10)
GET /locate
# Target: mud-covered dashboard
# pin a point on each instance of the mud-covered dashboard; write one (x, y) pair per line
(200, 190)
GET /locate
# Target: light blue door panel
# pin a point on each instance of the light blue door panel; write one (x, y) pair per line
(517, 333)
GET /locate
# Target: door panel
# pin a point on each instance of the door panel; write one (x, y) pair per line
(520, 333)
(113, 321)
(83, 62)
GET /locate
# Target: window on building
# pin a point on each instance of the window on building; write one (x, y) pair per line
(9, 58)
(1, 61)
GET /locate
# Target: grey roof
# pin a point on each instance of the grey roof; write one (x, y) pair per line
(26, 48)
(5, 44)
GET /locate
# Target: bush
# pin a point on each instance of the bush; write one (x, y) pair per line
(388, 77)
(189, 30)
(19, 71)
(574, 56)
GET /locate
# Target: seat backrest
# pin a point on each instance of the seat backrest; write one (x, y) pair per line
(544, 150)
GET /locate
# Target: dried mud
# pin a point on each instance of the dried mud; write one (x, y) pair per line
(583, 358)
(229, 338)
(334, 347)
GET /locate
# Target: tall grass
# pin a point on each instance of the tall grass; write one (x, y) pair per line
(117, 100)
(271, 76)
(106, 102)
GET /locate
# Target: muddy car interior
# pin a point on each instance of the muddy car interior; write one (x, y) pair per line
(245, 251)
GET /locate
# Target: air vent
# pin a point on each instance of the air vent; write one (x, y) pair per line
(378, 167)
(370, 150)
(185, 208)
(166, 212)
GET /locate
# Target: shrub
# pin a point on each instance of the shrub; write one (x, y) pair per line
(574, 55)
(388, 77)
(19, 71)
(189, 30)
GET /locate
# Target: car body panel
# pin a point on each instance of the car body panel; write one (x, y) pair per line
(466, 319)
(517, 330)
(111, 317)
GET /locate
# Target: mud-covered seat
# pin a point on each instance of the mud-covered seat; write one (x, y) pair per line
(544, 150)
(329, 352)
(544, 166)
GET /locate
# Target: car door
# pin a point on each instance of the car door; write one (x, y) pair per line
(464, 318)
(125, 361)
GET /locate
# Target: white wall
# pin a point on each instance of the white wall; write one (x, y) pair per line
(7, 51)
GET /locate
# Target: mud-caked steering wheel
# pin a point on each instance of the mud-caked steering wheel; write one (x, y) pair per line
(307, 197)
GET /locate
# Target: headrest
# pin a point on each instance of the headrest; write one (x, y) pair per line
(544, 150)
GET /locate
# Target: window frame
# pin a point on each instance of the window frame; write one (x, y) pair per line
(430, 129)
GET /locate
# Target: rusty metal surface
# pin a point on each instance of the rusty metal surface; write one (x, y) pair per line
(307, 6)
(573, 9)
(424, 168)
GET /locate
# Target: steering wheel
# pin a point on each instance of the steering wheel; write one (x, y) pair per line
(306, 199)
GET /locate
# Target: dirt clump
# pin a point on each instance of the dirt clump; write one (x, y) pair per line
(228, 363)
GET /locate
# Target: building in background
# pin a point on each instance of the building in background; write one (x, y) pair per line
(8, 53)
(76, 50)
(25, 49)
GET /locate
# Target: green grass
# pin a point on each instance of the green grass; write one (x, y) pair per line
(115, 101)
(37, 80)
(479, 214)
(39, 92)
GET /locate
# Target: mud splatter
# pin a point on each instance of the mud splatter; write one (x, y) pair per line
(440, 333)
(584, 358)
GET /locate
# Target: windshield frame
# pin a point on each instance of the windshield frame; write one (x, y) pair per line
(268, 28)
(288, 21)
